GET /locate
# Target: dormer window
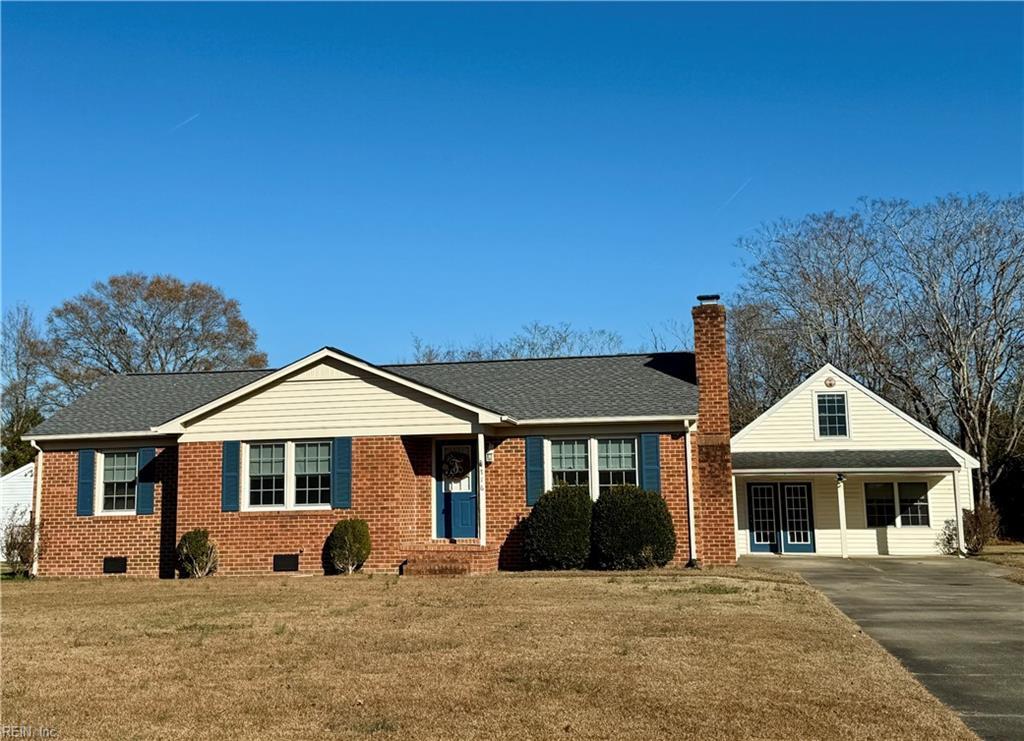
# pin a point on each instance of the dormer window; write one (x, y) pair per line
(832, 420)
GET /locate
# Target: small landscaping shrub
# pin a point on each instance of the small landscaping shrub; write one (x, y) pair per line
(197, 554)
(19, 541)
(557, 532)
(348, 546)
(631, 529)
(946, 540)
(981, 526)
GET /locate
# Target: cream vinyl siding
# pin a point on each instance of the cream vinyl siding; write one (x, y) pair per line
(860, 540)
(329, 400)
(794, 423)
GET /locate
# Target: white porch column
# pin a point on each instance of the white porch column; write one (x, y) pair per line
(481, 485)
(841, 495)
(959, 515)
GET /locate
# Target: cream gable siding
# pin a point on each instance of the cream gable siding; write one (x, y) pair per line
(860, 540)
(326, 400)
(793, 423)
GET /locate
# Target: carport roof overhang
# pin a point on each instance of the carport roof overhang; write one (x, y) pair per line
(843, 461)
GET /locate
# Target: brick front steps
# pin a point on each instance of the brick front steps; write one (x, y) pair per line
(450, 558)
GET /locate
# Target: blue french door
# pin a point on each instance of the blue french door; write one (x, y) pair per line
(780, 518)
(456, 496)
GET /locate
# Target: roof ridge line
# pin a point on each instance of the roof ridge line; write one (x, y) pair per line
(552, 357)
(193, 372)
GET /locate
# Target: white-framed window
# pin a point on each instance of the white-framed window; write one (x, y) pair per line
(117, 482)
(286, 474)
(913, 499)
(570, 462)
(597, 462)
(312, 473)
(832, 417)
(892, 504)
(616, 462)
(266, 475)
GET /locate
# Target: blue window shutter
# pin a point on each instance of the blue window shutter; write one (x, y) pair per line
(534, 468)
(341, 473)
(86, 482)
(230, 462)
(144, 489)
(650, 462)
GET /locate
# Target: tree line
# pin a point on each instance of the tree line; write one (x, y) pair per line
(924, 303)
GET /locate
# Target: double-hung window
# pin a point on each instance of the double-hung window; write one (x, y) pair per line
(266, 475)
(881, 509)
(599, 463)
(896, 505)
(913, 504)
(832, 419)
(570, 462)
(313, 473)
(120, 477)
(616, 462)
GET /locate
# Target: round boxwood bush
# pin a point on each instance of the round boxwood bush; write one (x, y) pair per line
(557, 532)
(348, 546)
(197, 554)
(631, 529)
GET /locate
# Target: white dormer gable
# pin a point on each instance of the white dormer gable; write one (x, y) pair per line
(871, 422)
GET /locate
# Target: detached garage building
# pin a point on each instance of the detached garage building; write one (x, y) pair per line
(837, 470)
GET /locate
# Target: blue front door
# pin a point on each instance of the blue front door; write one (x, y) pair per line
(456, 498)
(780, 518)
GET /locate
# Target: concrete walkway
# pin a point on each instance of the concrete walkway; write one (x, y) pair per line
(954, 623)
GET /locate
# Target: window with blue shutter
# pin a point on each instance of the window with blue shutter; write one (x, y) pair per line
(86, 482)
(341, 473)
(230, 463)
(147, 479)
(650, 462)
(534, 468)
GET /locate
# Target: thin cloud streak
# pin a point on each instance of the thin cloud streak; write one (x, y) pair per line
(731, 198)
(186, 122)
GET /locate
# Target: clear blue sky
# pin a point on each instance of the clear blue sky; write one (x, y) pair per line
(356, 174)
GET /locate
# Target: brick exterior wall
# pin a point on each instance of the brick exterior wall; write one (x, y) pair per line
(76, 546)
(713, 510)
(391, 490)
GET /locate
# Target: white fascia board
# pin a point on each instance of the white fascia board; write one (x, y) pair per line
(806, 471)
(92, 435)
(604, 420)
(176, 425)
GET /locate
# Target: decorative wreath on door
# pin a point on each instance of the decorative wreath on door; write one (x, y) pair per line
(456, 465)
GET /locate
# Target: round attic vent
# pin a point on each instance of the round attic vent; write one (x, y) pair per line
(830, 382)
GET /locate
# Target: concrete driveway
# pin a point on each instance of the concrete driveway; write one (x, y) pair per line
(954, 623)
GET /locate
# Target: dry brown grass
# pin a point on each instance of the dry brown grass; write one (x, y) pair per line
(1008, 554)
(730, 653)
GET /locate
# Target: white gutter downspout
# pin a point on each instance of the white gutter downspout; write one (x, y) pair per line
(690, 524)
(961, 545)
(37, 503)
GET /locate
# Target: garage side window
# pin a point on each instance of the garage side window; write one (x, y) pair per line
(881, 508)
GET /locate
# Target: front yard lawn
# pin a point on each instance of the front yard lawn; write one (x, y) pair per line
(725, 653)
(1009, 555)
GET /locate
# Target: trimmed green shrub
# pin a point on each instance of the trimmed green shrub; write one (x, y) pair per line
(348, 546)
(557, 532)
(197, 554)
(631, 529)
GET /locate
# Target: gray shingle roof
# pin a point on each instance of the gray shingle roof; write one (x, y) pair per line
(133, 403)
(840, 460)
(655, 384)
(662, 384)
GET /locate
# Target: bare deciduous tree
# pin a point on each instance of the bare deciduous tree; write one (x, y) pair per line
(23, 377)
(534, 340)
(135, 323)
(923, 303)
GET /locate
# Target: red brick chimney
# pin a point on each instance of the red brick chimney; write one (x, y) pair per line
(713, 510)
